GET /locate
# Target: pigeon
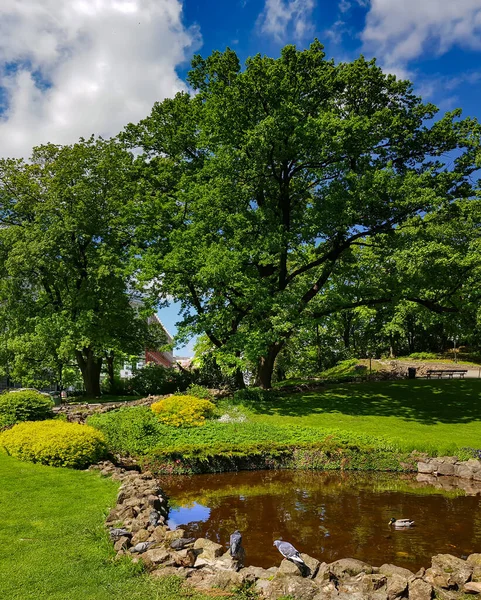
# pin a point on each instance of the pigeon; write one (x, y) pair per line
(181, 543)
(288, 551)
(154, 517)
(116, 533)
(235, 543)
(141, 547)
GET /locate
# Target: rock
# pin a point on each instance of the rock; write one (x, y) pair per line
(425, 467)
(122, 543)
(159, 534)
(396, 586)
(227, 580)
(253, 573)
(208, 549)
(154, 557)
(472, 587)
(181, 572)
(346, 567)
(390, 570)
(457, 570)
(184, 558)
(175, 534)
(475, 561)
(464, 471)
(445, 469)
(420, 590)
(227, 563)
(297, 587)
(141, 536)
(438, 578)
(312, 565)
(372, 583)
(289, 569)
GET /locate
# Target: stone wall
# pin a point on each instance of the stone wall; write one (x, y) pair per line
(452, 467)
(137, 526)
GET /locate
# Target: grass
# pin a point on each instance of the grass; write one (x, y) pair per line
(436, 416)
(53, 542)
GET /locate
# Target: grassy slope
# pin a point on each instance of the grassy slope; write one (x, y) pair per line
(53, 544)
(424, 415)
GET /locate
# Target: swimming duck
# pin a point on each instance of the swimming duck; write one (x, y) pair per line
(401, 522)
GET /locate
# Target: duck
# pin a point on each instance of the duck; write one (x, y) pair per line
(401, 522)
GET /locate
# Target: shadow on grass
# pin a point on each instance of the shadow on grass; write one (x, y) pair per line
(426, 402)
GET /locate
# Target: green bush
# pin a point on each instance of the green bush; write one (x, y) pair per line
(54, 443)
(156, 379)
(198, 391)
(24, 405)
(183, 411)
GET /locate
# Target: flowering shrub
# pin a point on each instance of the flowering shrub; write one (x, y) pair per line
(24, 405)
(55, 443)
(183, 411)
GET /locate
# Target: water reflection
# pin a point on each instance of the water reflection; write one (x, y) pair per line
(327, 515)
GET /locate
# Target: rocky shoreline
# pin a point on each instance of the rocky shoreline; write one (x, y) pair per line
(137, 526)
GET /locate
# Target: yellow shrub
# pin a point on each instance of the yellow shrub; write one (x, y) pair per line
(55, 443)
(183, 411)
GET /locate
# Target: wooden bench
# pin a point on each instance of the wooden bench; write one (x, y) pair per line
(450, 373)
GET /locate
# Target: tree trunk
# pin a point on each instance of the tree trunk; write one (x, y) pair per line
(90, 367)
(266, 367)
(239, 379)
(109, 357)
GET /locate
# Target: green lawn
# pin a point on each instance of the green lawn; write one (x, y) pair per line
(416, 414)
(53, 543)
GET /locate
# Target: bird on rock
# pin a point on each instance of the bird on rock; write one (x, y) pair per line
(235, 543)
(116, 533)
(288, 551)
(154, 517)
(401, 523)
(181, 543)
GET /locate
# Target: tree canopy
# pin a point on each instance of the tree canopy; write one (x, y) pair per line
(294, 188)
(67, 220)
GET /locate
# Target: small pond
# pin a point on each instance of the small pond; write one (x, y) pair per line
(327, 515)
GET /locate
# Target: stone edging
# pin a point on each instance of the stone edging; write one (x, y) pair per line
(451, 466)
(138, 527)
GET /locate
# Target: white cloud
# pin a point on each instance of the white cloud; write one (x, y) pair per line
(77, 67)
(398, 32)
(287, 18)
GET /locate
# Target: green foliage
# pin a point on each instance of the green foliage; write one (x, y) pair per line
(292, 185)
(183, 411)
(54, 442)
(65, 274)
(155, 379)
(28, 405)
(198, 391)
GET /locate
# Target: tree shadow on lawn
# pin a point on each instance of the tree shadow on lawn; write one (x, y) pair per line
(426, 402)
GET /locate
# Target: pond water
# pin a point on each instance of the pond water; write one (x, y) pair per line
(327, 515)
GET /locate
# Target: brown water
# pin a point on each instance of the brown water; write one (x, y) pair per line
(327, 515)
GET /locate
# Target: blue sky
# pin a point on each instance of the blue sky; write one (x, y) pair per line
(70, 69)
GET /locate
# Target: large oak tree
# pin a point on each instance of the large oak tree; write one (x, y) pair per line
(270, 175)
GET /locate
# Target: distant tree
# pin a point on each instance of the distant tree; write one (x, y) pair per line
(67, 220)
(270, 176)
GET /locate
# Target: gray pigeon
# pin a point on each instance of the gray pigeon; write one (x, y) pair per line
(235, 543)
(116, 533)
(141, 547)
(154, 517)
(181, 543)
(288, 551)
